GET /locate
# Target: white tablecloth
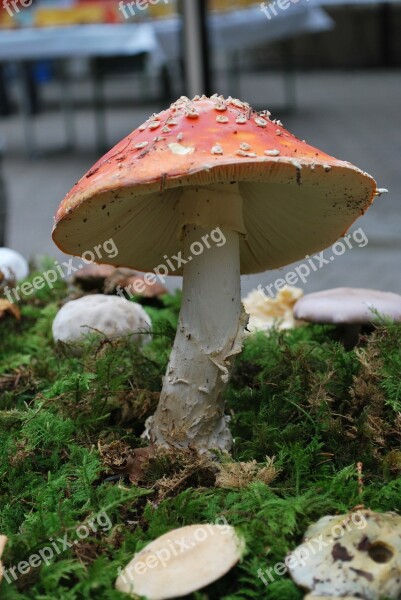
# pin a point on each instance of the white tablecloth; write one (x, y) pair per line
(242, 29)
(160, 39)
(79, 41)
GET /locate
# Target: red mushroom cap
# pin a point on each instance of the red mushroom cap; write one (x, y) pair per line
(296, 199)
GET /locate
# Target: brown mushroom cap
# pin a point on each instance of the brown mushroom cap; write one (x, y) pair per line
(343, 306)
(296, 199)
(92, 277)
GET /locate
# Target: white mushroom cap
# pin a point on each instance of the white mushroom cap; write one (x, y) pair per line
(181, 562)
(356, 555)
(13, 265)
(348, 306)
(110, 315)
(3, 542)
(313, 597)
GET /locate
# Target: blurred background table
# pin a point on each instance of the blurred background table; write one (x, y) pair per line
(63, 44)
(157, 43)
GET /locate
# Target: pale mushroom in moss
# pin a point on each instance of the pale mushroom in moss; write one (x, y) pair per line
(351, 310)
(3, 542)
(110, 316)
(210, 189)
(13, 265)
(181, 561)
(355, 555)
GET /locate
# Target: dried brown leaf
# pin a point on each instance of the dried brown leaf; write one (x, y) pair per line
(9, 309)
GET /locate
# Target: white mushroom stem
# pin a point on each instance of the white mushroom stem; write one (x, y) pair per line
(209, 335)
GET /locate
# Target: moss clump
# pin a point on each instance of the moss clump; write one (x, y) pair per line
(69, 427)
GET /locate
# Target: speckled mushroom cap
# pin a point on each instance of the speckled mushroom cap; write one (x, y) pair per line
(296, 199)
(355, 555)
(352, 306)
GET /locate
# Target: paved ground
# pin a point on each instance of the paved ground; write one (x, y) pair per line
(354, 116)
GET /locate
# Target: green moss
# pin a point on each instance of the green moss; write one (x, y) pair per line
(297, 396)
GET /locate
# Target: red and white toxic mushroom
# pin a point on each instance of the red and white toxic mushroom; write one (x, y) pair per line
(200, 166)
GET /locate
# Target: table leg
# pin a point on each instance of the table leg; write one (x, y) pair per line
(67, 106)
(99, 109)
(233, 70)
(290, 95)
(27, 118)
(386, 39)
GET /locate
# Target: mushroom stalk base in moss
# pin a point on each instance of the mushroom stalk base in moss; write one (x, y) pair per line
(209, 335)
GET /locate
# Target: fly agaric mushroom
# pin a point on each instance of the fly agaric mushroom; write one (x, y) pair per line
(112, 316)
(358, 556)
(350, 309)
(161, 192)
(181, 562)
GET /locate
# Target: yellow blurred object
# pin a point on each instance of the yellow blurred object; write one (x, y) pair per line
(162, 10)
(265, 313)
(247, 3)
(226, 5)
(6, 21)
(76, 15)
(220, 5)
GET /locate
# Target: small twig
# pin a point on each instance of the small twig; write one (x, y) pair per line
(359, 467)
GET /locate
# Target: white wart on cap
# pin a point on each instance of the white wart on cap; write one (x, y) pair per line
(181, 562)
(111, 316)
(348, 306)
